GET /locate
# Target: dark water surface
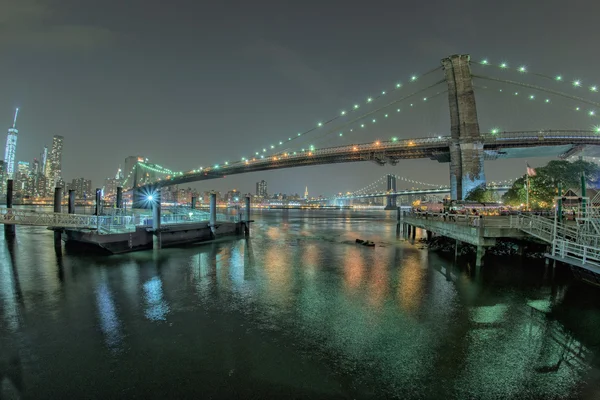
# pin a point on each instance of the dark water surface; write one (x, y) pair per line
(296, 311)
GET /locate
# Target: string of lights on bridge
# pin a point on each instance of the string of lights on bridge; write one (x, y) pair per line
(576, 83)
(346, 112)
(266, 153)
(311, 148)
(534, 98)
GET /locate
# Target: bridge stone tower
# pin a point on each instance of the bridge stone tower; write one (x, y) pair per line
(466, 147)
(391, 187)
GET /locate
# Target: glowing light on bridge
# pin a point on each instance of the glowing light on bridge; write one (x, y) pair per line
(320, 124)
(369, 100)
(522, 69)
(531, 97)
(413, 78)
(577, 108)
(577, 83)
(547, 100)
(504, 65)
(485, 62)
(398, 85)
(494, 131)
(559, 78)
(592, 113)
(593, 88)
(597, 128)
(343, 113)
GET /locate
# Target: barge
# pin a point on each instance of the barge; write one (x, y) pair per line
(144, 238)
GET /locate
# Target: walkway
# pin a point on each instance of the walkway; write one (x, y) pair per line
(462, 227)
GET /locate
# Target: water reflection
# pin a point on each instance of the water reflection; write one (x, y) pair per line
(411, 277)
(156, 306)
(302, 310)
(354, 266)
(10, 287)
(109, 321)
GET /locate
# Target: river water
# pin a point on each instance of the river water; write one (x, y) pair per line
(296, 311)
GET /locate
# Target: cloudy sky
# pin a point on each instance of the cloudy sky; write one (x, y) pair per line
(194, 83)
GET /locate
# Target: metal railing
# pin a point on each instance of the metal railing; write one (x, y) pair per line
(115, 222)
(585, 254)
(466, 219)
(104, 223)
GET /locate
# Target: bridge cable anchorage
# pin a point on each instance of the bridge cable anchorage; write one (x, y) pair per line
(539, 88)
(557, 78)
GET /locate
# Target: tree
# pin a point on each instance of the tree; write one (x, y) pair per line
(543, 186)
(481, 194)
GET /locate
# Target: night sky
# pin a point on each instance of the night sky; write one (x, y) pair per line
(194, 83)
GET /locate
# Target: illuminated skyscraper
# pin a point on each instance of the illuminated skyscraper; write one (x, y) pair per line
(11, 148)
(2, 176)
(44, 160)
(261, 189)
(22, 178)
(54, 163)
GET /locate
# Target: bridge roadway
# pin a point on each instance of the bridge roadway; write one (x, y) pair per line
(500, 145)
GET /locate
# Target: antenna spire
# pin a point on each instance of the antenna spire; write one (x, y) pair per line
(15, 120)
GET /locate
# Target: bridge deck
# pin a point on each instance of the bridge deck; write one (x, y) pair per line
(500, 145)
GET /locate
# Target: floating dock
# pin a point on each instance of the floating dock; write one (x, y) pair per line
(144, 238)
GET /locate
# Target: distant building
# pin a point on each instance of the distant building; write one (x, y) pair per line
(261, 189)
(82, 188)
(111, 184)
(54, 164)
(21, 185)
(2, 176)
(11, 149)
(40, 186)
(44, 159)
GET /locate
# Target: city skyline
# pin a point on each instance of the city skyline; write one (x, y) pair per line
(202, 114)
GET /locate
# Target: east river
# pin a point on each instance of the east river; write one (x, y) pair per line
(299, 310)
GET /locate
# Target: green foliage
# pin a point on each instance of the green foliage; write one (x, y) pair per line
(543, 186)
(481, 195)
